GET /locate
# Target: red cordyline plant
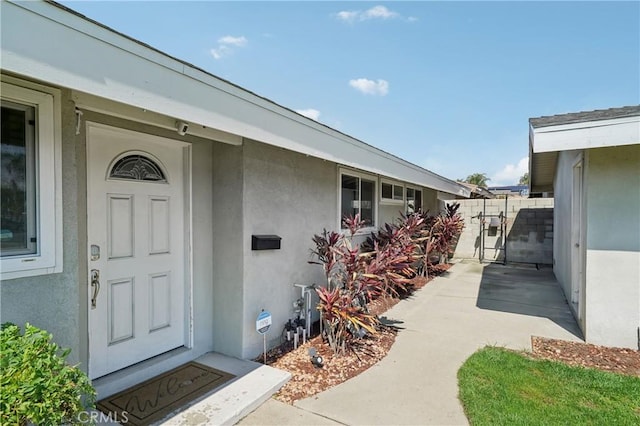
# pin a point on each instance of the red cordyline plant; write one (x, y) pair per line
(446, 230)
(384, 264)
(433, 237)
(438, 238)
(343, 317)
(355, 277)
(392, 252)
(343, 301)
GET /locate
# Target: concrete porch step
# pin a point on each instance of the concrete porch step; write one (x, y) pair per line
(254, 384)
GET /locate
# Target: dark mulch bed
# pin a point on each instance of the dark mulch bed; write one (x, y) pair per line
(308, 380)
(616, 360)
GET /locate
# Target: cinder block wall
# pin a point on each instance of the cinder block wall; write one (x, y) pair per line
(529, 230)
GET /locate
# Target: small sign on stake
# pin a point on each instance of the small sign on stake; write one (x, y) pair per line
(263, 323)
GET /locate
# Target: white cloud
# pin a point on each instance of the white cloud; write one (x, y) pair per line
(510, 174)
(225, 45)
(379, 12)
(370, 87)
(376, 12)
(220, 52)
(313, 114)
(348, 16)
(234, 41)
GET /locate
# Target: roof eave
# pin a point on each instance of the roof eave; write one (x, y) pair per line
(195, 96)
(545, 142)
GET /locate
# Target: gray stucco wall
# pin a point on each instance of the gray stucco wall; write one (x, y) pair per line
(237, 191)
(613, 198)
(613, 246)
(228, 254)
(430, 201)
(610, 304)
(58, 302)
(389, 213)
(528, 228)
(292, 196)
(203, 246)
(53, 301)
(202, 222)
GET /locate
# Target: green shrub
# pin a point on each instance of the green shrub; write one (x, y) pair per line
(36, 383)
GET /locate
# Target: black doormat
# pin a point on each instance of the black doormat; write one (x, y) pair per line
(153, 399)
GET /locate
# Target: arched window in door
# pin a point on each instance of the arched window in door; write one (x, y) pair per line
(137, 166)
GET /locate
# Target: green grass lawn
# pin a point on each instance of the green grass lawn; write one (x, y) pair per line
(502, 387)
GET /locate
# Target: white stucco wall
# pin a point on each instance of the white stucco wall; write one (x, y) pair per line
(613, 246)
(293, 196)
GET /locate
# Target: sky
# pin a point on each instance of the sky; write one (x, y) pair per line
(449, 86)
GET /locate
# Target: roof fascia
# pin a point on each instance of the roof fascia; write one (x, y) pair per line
(586, 124)
(586, 135)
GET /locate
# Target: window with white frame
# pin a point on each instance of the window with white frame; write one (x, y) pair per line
(391, 193)
(358, 196)
(30, 222)
(414, 200)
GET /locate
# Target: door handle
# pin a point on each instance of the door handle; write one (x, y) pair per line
(95, 287)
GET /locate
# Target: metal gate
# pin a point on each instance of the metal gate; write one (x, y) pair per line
(493, 225)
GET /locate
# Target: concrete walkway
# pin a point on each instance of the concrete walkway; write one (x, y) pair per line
(471, 306)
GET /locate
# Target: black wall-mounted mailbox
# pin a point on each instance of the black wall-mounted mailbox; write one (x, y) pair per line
(265, 242)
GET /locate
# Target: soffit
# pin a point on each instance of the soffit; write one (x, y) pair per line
(542, 171)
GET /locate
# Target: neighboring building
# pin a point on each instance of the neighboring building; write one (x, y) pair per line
(520, 191)
(478, 191)
(591, 162)
(133, 183)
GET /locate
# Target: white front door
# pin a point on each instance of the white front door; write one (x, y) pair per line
(137, 238)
